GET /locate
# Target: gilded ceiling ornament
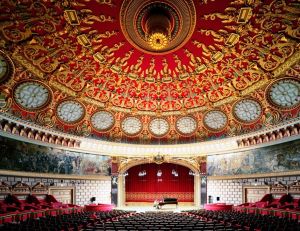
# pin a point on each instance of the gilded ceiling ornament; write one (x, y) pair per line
(32, 95)
(70, 111)
(159, 127)
(284, 93)
(186, 125)
(7, 68)
(220, 57)
(247, 110)
(102, 121)
(215, 120)
(48, 59)
(131, 126)
(141, 28)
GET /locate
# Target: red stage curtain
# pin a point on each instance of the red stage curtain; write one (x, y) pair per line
(151, 187)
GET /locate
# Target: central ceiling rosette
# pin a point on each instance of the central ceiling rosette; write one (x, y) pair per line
(158, 27)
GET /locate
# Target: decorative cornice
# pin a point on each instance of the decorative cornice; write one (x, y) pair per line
(55, 176)
(242, 176)
(121, 149)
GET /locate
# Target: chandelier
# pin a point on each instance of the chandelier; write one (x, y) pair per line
(158, 28)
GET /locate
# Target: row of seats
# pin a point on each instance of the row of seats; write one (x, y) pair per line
(284, 206)
(157, 221)
(286, 201)
(246, 221)
(68, 222)
(12, 203)
(196, 220)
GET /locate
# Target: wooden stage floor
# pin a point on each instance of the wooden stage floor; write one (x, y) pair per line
(146, 207)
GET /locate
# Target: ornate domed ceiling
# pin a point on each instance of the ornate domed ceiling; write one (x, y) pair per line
(151, 71)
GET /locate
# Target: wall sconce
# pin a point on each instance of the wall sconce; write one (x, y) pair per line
(159, 173)
(191, 173)
(174, 173)
(142, 173)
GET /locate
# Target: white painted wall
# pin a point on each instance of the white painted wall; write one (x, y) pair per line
(231, 192)
(86, 189)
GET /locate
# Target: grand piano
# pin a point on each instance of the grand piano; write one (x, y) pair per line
(167, 201)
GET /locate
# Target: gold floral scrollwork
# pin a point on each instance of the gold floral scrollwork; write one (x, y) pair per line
(48, 59)
(271, 117)
(158, 159)
(271, 61)
(46, 118)
(76, 74)
(84, 129)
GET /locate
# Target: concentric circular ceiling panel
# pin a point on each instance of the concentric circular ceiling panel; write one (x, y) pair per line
(215, 120)
(102, 121)
(136, 15)
(247, 110)
(186, 125)
(70, 111)
(159, 127)
(131, 125)
(284, 93)
(32, 95)
(144, 61)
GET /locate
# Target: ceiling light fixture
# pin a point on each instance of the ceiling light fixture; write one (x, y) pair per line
(158, 28)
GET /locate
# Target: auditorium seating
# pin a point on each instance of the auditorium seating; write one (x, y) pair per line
(124, 220)
(73, 221)
(283, 205)
(244, 221)
(158, 221)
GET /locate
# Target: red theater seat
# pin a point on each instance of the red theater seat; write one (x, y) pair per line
(277, 203)
(218, 207)
(99, 207)
(12, 200)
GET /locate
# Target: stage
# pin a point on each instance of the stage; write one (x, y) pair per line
(148, 207)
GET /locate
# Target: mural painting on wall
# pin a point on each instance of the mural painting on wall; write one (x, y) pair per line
(278, 158)
(21, 156)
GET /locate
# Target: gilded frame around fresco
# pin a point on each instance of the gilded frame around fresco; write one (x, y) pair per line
(259, 175)
(54, 176)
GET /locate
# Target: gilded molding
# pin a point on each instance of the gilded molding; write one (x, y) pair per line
(55, 176)
(259, 175)
(28, 65)
(230, 99)
(287, 64)
(254, 87)
(92, 101)
(63, 88)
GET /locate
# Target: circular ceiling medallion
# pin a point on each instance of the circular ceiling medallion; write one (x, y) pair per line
(159, 127)
(158, 27)
(247, 110)
(284, 93)
(6, 67)
(215, 120)
(102, 121)
(32, 95)
(70, 111)
(186, 125)
(131, 126)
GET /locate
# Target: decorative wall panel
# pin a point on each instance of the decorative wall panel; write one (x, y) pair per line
(21, 156)
(277, 158)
